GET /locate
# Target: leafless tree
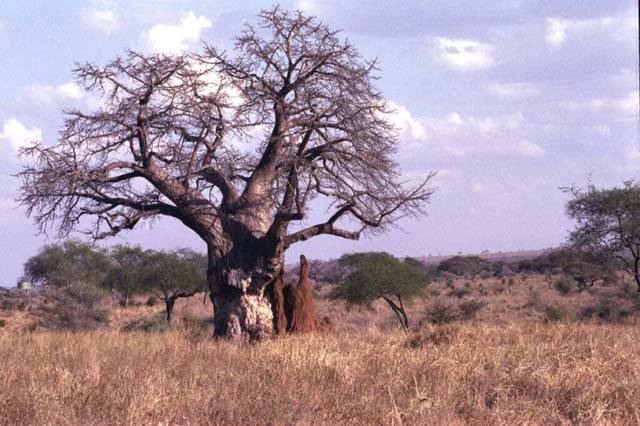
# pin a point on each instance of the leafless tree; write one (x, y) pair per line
(235, 146)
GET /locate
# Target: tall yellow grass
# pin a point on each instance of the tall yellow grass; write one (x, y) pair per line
(456, 374)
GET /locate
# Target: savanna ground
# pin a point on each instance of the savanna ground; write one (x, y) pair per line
(526, 355)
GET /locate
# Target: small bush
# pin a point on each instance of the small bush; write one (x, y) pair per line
(433, 292)
(471, 307)
(441, 313)
(628, 291)
(101, 316)
(534, 298)
(152, 301)
(459, 293)
(3, 323)
(7, 305)
(32, 327)
(510, 282)
(564, 285)
(606, 309)
(555, 313)
(72, 307)
(449, 283)
(485, 274)
(147, 325)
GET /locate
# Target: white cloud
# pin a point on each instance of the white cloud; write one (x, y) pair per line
(457, 136)
(527, 149)
(306, 6)
(556, 31)
(465, 55)
(100, 19)
(621, 28)
(512, 90)
(18, 135)
(625, 106)
(402, 119)
(46, 95)
(174, 39)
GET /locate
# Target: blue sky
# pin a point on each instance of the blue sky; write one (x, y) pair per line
(508, 100)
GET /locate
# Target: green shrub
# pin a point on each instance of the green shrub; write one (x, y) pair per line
(433, 292)
(628, 291)
(485, 274)
(534, 298)
(32, 327)
(7, 305)
(465, 266)
(564, 285)
(72, 307)
(555, 313)
(459, 293)
(606, 309)
(3, 323)
(471, 307)
(158, 323)
(102, 316)
(152, 301)
(441, 313)
(510, 282)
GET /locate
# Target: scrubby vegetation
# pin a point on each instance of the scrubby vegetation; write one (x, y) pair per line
(499, 334)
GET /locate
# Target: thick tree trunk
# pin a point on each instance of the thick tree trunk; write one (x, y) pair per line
(239, 283)
(249, 296)
(242, 316)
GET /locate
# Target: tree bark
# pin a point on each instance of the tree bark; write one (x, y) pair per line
(399, 311)
(169, 303)
(636, 271)
(239, 283)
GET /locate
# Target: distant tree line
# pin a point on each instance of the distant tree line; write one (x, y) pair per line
(77, 275)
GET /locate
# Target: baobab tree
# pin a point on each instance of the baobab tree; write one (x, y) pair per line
(235, 146)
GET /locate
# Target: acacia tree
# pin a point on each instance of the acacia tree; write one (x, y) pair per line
(608, 222)
(73, 262)
(125, 275)
(234, 146)
(173, 275)
(376, 276)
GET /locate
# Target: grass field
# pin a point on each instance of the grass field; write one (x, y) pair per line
(509, 363)
(463, 373)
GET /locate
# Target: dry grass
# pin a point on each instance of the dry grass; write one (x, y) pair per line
(463, 373)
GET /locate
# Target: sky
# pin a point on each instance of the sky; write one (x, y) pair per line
(509, 100)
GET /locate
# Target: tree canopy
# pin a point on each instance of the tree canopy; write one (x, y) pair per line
(235, 145)
(173, 275)
(608, 221)
(378, 275)
(125, 274)
(67, 263)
